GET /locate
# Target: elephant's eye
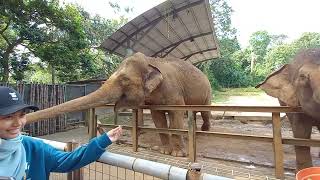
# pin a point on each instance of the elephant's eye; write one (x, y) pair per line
(125, 80)
(303, 76)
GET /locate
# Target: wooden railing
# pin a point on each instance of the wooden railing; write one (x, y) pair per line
(192, 132)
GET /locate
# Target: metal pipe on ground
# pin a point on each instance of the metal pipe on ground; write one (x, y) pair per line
(159, 170)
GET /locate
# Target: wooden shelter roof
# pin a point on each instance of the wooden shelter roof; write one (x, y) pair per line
(175, 28)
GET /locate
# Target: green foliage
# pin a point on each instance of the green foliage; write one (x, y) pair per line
(223, 72)
(222, 19)
(284, 53)
(38, 73)
(65, 39)
(308, 40)
(259, 42)
(228, 73)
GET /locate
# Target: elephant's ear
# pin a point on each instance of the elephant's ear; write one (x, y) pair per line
(278, 85)
(152, 79)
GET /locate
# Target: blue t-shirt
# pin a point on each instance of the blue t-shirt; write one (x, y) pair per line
(43, 158)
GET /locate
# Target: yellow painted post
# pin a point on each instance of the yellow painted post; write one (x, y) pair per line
(192, 136)
(277, 145)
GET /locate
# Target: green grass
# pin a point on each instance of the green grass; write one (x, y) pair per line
(225, 93)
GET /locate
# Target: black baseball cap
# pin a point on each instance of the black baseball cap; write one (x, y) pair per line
(11, 101)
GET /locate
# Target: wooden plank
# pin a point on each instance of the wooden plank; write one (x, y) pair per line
(191, 137)
(147, 129)
(115, 119)
(164, 130)
(301, 142)
(92, 123)
(217, 108)
(235, 136)
(69, 149)
(135, 130)
(289, 141)
(277, 146)
(140, 117)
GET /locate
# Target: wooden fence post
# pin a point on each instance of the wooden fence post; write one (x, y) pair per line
(135, 116)
(192, 136)
(115, 118)
(277, 145)
(92, 123)
(76, 174)
(140, 117)
(194, 172)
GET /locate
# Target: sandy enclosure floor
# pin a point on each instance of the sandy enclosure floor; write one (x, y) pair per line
(222, 156)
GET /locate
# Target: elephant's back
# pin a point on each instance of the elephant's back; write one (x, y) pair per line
(194, 84)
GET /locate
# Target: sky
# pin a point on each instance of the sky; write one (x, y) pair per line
(289, 17)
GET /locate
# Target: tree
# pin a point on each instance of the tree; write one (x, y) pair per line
(284, 53)
(64, 38)
(26, 22)
(218, 68)
(308, 40)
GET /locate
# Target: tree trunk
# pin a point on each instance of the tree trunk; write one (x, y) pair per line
(5, 60)
(252, 64)
(53, 75)
(5, 66)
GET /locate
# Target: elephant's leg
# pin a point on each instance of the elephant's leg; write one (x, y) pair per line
(160, 121)
(176, 122)
(206, 120)
(301, 128)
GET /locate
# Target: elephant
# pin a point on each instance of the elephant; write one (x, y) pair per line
(142, 80)
(298, 84)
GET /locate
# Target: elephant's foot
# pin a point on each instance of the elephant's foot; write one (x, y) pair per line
(205, 126)
(178, 152)
(165, 150)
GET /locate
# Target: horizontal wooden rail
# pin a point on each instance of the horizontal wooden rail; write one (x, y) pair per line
(281, 109)
(146, 129)
(301, 142)
(276, 140)
(289, 141)
(235, 136)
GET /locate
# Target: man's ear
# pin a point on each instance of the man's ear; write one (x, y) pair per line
(279, 86)
(152, 79)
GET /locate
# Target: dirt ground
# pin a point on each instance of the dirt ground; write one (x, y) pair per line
(217, 153)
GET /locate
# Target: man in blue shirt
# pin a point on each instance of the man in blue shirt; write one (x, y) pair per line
(23, 157)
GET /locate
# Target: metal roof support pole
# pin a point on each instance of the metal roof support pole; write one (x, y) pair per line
(129, 50)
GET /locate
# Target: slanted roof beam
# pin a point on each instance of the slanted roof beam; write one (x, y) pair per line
(181, 41)
(185, 27)
(143, 34)
(133, 40)
(155, 21)
(188, 56)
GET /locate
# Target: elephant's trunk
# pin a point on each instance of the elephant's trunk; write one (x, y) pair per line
(107, 93)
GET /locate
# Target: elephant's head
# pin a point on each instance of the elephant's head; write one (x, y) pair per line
(134, 80)
(298, 83)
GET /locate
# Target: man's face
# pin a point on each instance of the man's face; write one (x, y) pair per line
(11, 125)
